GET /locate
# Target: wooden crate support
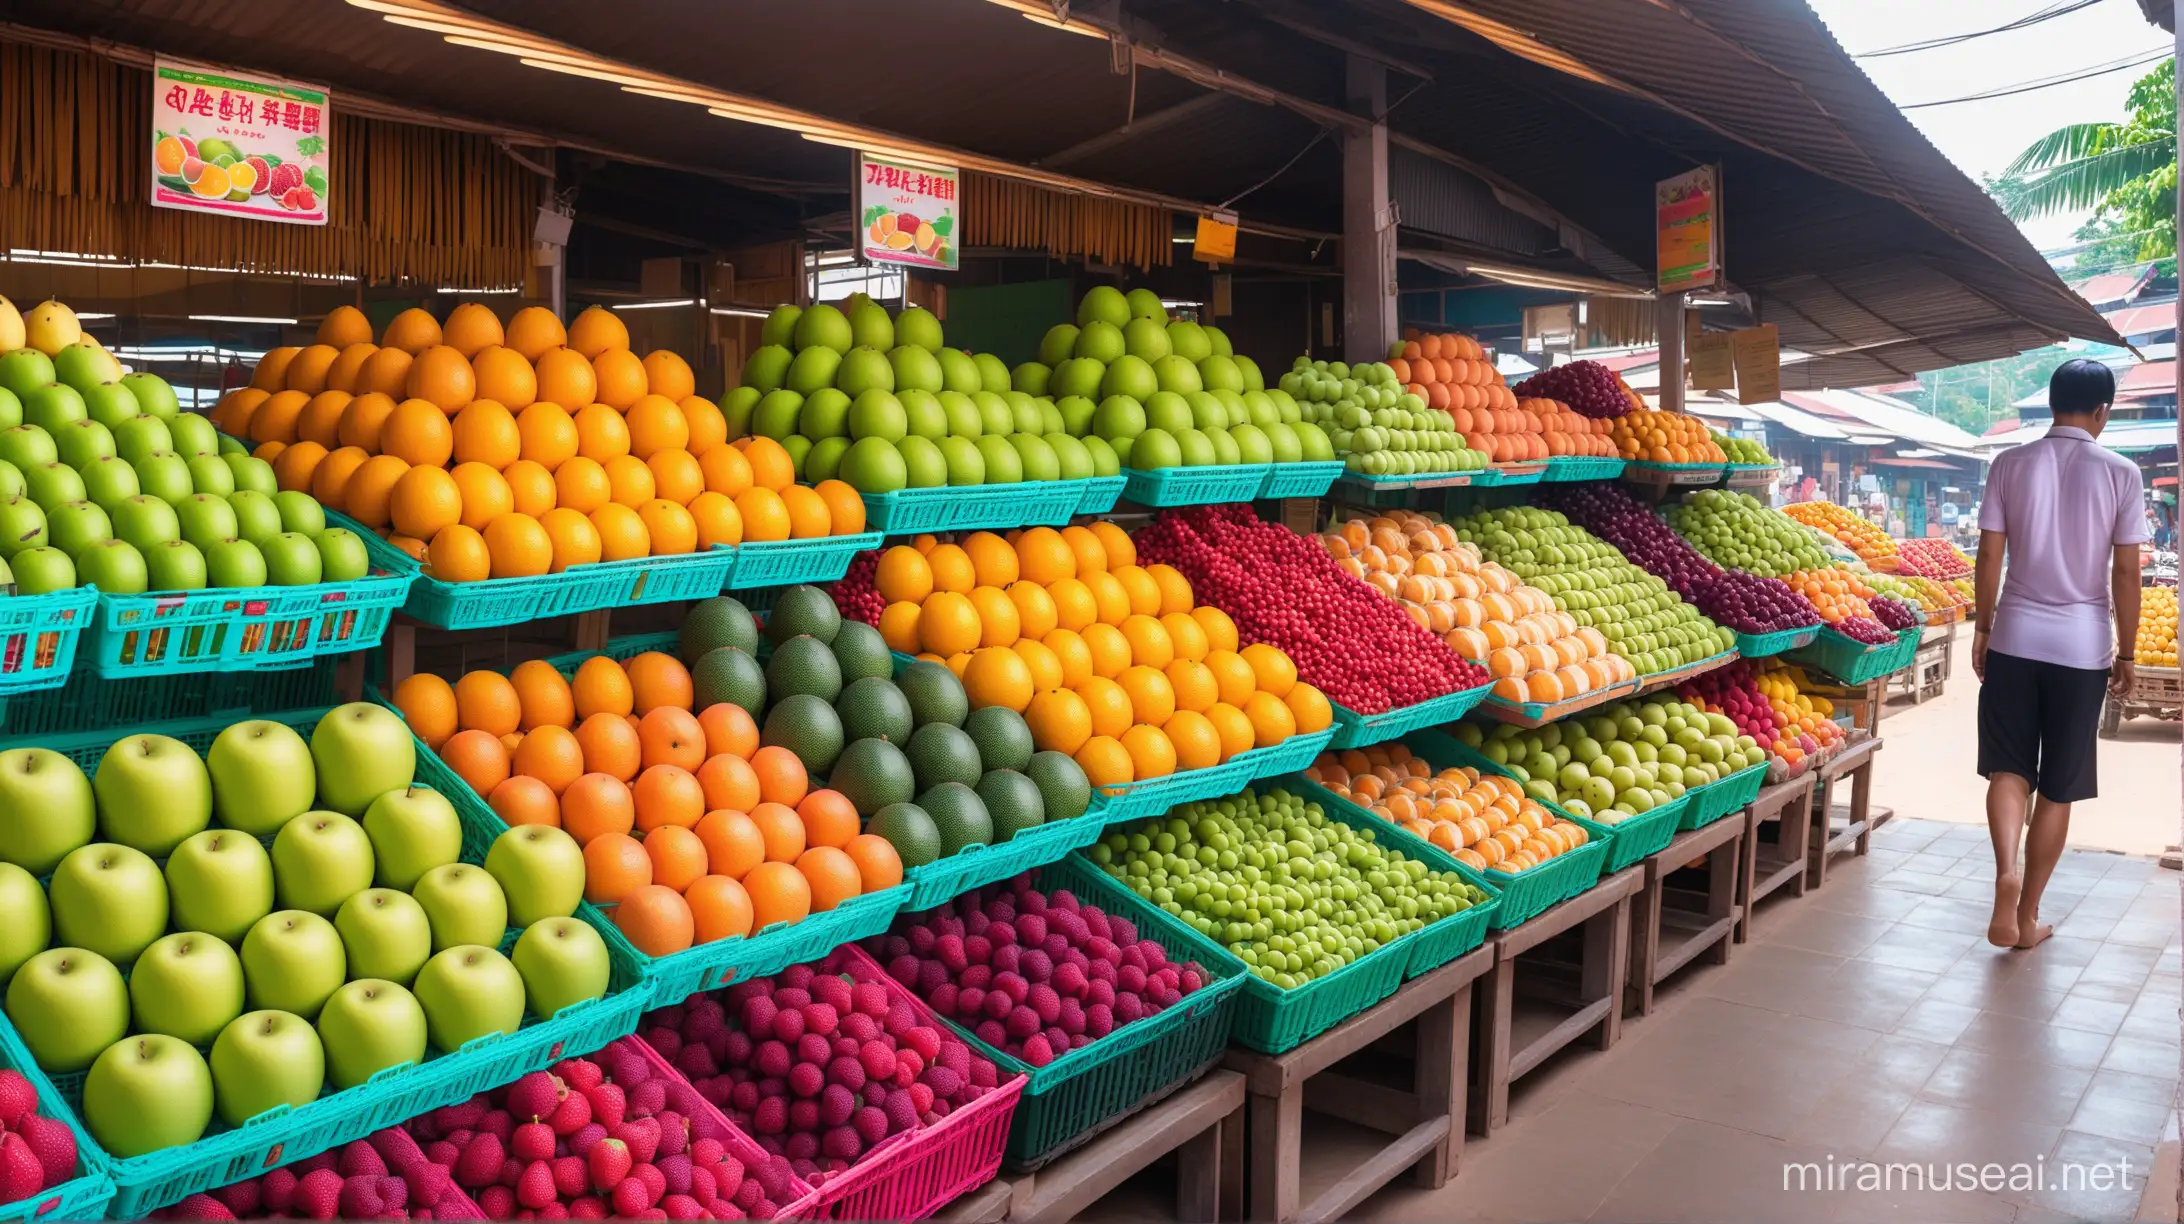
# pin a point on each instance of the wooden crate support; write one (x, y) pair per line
(1592, 989)
(1790, 804)
(1427, 1120)
(1855, 832)
(1671, 927)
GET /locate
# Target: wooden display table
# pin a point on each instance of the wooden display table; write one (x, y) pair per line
(1565, 998)
(1783, 864)
(1929, 671)
(1202, 1123)
(1673, 926)
(1855, 829)
(1427, 1121)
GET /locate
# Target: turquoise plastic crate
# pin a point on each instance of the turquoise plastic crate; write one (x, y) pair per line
(1153, 796)
(1307, 479)
(1194, 486)
(1083, 1092)
(1854, 662)
(1480, 478)
(82, 1197)
(1581, 467)
(1354, 730)
(282, 1134)
(38, 638)
(1673, 473)
(1522, 473)
(90, 702)
(786, 562)
(1711, 803)
(1760, 645)
(242, 628)
(1290, 756)
(1636, 837)
(976, 866)
(1031, 503)
(1539, 713)
(1101, 493)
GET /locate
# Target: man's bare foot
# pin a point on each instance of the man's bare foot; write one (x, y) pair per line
(2032, 932)
(2002, 928)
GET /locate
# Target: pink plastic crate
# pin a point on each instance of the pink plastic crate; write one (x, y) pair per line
(739, 1145)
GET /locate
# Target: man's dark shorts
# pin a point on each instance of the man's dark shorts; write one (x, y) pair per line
(2042, 721)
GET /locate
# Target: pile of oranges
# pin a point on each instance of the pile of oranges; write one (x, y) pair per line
(1652, 436)
(2156, 642)
(1835, 592)
(1855, 533)
(1483, 820)
(1482, 611)
(691, 831)
(1112, 663)
(1450, 372)
(492, 452)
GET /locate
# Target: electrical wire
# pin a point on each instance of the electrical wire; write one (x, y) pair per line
(2004, 91)
(2060, 8)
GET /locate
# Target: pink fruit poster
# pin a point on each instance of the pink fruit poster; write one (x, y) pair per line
(239, 144)
(907, 213)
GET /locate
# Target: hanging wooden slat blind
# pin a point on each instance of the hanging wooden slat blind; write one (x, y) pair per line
(409, 202)
(1009, 213)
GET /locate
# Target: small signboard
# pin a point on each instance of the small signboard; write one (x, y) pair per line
(1712, 367)
(1758, 354)
(1687, 230)
(1216, 242)
(907, 213)
(239, 144)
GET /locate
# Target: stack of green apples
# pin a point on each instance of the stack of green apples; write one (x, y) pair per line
(1377, 427)
(1619, 760)
(222, 935)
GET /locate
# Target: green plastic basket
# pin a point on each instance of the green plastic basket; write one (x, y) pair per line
(1307, 479)
(1581, 467)
(1760, 645)
(1539, 713)
(1083, 1092)
(1194, 486)
(1522, 473)
(1711, 803)
(243, 628)
(1101, 493)
(786, 562)
(1478, 478)
(82, 1197)
(1153, 796)
(90, 702)
(1854, 662)
(38, 638)
(1031, 503)
(1354, 730)
(1636, 837)
(1292, 755)
(976, 866)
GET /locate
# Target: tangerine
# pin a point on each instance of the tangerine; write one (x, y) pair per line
(423, 501)
(601, 434)
(655, 919)
(581, 485)
(671, 529)
(832, 876)
(733, 843)
(521, 800)
(615, 866)
(417, 431)
(670, 736)
(729, 730)
(781, 776)
(655, 425)
(678, 857)
(458, 554)
(878, 864)
(487, 701)
(428, 704)
(657, 680)
(779, 893)
(718, 521)
(565, 377)
(667, 795)
(362, 421)
(477, 758)
(610, 746)
(595, 805)
(719, 908)
(783, 830)
(601, 686)
(519, 547)
(765, 515)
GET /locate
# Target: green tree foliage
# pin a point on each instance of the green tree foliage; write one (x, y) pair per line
(2125, 172)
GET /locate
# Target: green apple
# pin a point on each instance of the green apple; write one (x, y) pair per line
(219, 881)
(464, 904)
(262, 776)
(265, 1059)
(194, 437)
(22, 369)
(68, 1004)
(141, 437)
(291, 559)
(153, 793)
(234, 564)
(208, 474)
(362, 751)
(176, 565)
(146, 1094)
(299, 513)
(145, 521)
(11, 480)
(47, 808)
(110, 403)
(22, 526)
(41, 571)
(153, 394)
(26, 923)
(369, 1025)
(205, 519)
(52, 484)
(75, 526)
(82, 442)
(109, 481)
(27, 446)
(252, 473)
(53, 405)
(320, 859)
(109, 899)
(540, 869)
(563, 961)
(257, 519)
(114, 567)
(187, 985)
(292, 960)
(84, 365)
(166, 476)
(413, 830)
(342, 557)
(469, 992)
(386, 934)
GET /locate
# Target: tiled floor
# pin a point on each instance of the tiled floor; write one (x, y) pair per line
(1866, 1021)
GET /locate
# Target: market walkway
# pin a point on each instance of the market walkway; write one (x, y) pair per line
(1868, 1020)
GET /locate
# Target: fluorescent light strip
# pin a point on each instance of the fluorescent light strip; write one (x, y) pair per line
(241, 319)
(655, 305)
(92, 314)
(742, 312)
(479, 292)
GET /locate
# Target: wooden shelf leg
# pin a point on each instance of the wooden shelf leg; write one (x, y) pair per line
(401, 644)
(1747, 874)
(1443, 1031)
(1861, 799)
(1721, 898)
(1490, 1065)
(1606, 964)
(1198, 1169)
(1232, 1164)
(1277, 1124)
(1645, 942)
(349, 677)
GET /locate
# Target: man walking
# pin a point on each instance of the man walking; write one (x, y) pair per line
(2046, 651)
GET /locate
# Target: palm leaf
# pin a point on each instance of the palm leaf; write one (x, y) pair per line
(2066, 144)
(2085, 182)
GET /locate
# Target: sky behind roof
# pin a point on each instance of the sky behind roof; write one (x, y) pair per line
(1983, 137)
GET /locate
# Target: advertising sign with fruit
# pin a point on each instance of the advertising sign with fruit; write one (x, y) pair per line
(907, 212)
(1687, 222)
(247, 146)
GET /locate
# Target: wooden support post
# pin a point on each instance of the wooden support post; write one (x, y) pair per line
(349, 676)
(1790, 804)
(401, 647)
(1665, 937)
(1368, 228)
(1194, 1123)
(1829, 839)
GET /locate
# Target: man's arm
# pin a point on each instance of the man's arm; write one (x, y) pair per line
(2123, 591)
(1986, 589)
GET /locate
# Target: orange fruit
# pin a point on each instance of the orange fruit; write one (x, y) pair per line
(295, 465)
(1194, 684)
(948, 624)
(771, 465)
(596, 805)
(581, 485)
(899, 627)
(505, 377)
(1044, 557)
(718, 521)
(442, 377)
(832, 875)
(1234, 676)
(320, 420)
(343, 326)
(1035, 612)
(425, 500)
(418, 432)
(1220, 630)
(1144, 593)
(601, 685)
(730, 783)
(232, 414)
(520, 548)
(845, 506)
(530, 487)
(1150, 644)
(1197, 745)
(477, 758)
(385, 372)
(601, 433)
(1109, 649)
(572, 537)
(1237, 733)
(1046, 669)
(781, 777)
(622, 533)
(708, 427)
(487, 701)
(550, 754)
(1074, 656)
(1107, 705)
(733, 843)
(1152, 698)
(659, 680)
(656, 424)
(669, 375)
(1175, 589)
(656, 920)
(727, 472)
(458, 554)
(543, 694)
(779, 893)
(1151, 753)
(629, 481)
(610, 746)
(996, 676)
(428, 705)
(903, 575)
(676, 476)
(809, 518)
(471, 328)
(269, 451)
(1089, 555)
(1270, 668)
(952, 569)
(330, 480)
(271, 373)
(671, 736)
(1105, 761)
(1060, 721)
(486, 432)
(545, 434)
(520, 800)
(765, 515)
(998, 624)
(1310, 708)
(678, 857)
(729, 730)
(1116, 542)
(615, 865)
(1271, 721)
(671, 528)
(667, 795)
(621, 378)
(719, 908)
(878, 865)
(307, 369)
(783, 830)
(1186, 635)
(363, 420)
(992, 560)
(413, 331)
(1109, 596)
(829, 818)
(565, 377)
(533, 331)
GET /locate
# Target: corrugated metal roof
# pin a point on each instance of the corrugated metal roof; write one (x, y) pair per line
(2147, 320)
(2118, 436)
(1439, 198)
(2148, 376)
(1800, 421)
(2109, 288)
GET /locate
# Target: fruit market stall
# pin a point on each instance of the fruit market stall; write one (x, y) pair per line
(2156, 688)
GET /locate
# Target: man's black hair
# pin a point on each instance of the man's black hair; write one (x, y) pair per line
(2079, 387)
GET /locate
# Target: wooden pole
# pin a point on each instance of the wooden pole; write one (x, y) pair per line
(1669, 323)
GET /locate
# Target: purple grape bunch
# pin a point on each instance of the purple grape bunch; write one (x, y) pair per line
(1894, 613)
(1864, 629)
(1586, 386)
(1745, 603)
